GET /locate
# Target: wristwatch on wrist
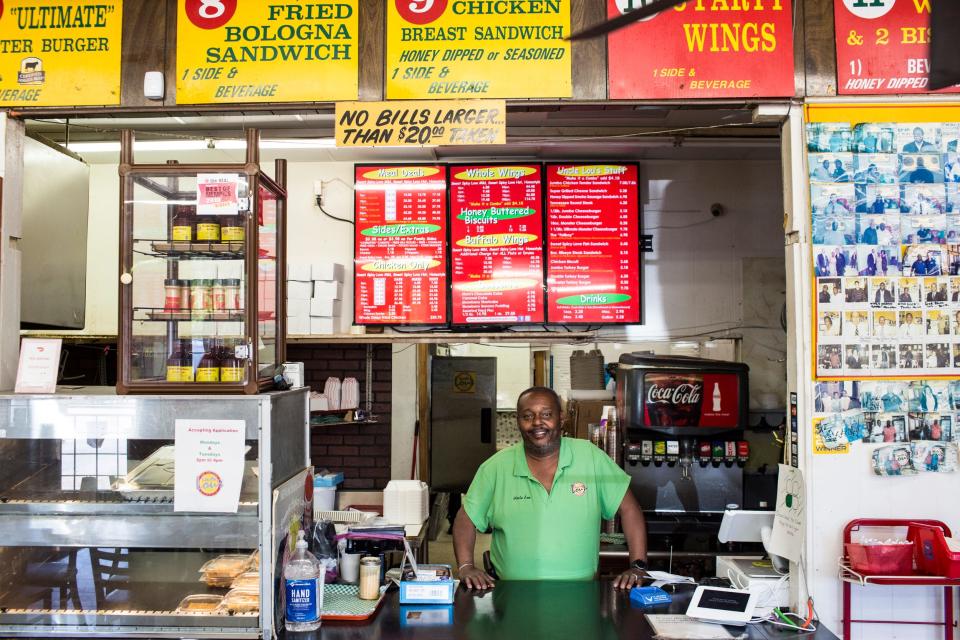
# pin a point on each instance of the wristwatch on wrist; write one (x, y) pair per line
(639, 564)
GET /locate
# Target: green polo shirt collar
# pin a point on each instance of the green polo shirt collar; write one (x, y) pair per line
(522, 470)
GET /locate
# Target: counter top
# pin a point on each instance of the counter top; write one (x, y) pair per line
(528, 611)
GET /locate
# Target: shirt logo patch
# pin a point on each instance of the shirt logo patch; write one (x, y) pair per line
(578, 488)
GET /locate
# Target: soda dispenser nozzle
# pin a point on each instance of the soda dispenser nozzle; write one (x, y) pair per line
(686, 457)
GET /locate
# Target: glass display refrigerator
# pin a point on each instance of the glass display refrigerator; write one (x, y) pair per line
(92, 543)
(202, 275)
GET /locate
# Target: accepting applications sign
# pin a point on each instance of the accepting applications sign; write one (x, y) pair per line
(883, 47)
(478, 49)
(260, 51)
(60, 52)
(703, 49)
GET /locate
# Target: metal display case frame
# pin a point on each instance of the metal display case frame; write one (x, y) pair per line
(163, 180)
(276, 422)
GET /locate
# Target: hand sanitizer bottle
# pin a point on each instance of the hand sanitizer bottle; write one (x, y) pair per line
(304, 589)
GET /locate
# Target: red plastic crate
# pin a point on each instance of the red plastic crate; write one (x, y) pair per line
(880, 559)
(933, 556)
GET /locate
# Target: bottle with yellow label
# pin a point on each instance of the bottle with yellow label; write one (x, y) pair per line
(208, 229)
(232, 368)
(181, 228)
(209, 368)
(180, 364)
(232, 229)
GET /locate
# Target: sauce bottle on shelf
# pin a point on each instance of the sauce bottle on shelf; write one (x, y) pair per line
(172, 290)
(231, 367)
(208, 229)
(180, 364)
(232, 228)
(209, 368)
(181, 227)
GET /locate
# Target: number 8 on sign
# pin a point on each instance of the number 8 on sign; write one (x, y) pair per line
(210, 14)
(420, 11)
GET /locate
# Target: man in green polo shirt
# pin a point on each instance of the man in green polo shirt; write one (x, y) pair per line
(544, 500)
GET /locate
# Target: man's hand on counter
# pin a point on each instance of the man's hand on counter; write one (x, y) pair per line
(630, 578)
(474, 578)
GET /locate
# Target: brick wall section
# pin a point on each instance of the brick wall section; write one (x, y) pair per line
(361, 452)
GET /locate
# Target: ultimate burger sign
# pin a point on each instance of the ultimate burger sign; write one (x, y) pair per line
(703, 49)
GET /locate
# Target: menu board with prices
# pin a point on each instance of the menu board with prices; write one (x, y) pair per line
(400, 245)
(593, 264)
(496, 247)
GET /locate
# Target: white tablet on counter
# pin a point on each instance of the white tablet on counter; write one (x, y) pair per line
(722, 606)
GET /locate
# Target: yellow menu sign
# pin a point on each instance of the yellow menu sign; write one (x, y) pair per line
(60, 52)
(478, 49)
(264, 51)
(423, 123)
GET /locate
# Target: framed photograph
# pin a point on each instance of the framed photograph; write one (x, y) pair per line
(924, 199)
(833, 260)
(923, 397)
(895, 460)
(876, 168)
(885, 427)
(924, 229)
(953, 198)
(884, 396)
(856, 324)
(922, 137)
(883, 356)
(908, 293)
(830, 358)
(831, 167)
(829, 137)
(876, 260)
(885, 324)
(951, 168)
(910, 356)
(936, 291)
(856, 291)
(834, 229)
(920, 168)
(922, 260)
(834, 199)
(934, 457)
(938, 322)
(951, 133)
(878, 198)
(883, 292)
(937, 356)
(856, 357)
(828, 323)
(879, 229)
(956, 355)
(829, 291)
(875, 137)
(954, 318)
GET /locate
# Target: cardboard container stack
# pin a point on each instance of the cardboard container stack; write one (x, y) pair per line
(314, 294)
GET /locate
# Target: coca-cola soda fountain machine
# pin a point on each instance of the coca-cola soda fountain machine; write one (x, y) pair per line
(683, 420)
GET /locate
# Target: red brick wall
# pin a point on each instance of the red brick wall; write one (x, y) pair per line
(361, 452)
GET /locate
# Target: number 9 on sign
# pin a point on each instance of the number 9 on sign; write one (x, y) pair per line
(420, 11)
(210, 14)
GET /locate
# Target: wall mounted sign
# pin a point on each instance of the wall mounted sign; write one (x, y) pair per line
(883, 46)
(60, 52)
(258, 51)
(703, 49)
(423, 123)
(478, 49)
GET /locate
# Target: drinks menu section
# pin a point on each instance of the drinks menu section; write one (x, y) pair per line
(400, 245)
(593, 264)
(496, 248)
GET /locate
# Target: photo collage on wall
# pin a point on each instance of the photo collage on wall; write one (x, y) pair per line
(916, 421)
(885, 210)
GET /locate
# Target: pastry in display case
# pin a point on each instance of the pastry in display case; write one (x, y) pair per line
(93, 541)
(202, 275)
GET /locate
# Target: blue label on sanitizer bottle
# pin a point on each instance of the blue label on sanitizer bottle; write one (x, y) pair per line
(302, 603)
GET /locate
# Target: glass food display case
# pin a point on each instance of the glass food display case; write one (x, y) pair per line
(202, 284)
(90, 541)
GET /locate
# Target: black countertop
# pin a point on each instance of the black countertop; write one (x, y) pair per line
(528, 611)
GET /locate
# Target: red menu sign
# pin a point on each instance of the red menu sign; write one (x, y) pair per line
(496, 244)
(593, 260)
(400, 270)
(703, 49)
(883, 46)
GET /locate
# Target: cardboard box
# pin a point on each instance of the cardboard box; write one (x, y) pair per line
(431, 584)
(297, 290)
(299, 271)
(322, 326)
(297, 307)
(324, 308)
(299, 325)
(328, 290)
(583, 412)
(325, 270)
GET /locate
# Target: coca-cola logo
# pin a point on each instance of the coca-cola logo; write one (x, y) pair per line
(679, 395)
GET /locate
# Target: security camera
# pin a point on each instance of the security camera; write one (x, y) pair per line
(716, 210)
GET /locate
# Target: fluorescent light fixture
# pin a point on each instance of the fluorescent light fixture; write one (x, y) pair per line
(200, 145)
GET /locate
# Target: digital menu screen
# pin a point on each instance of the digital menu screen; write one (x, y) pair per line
(496, 244)
(400, 270)
(593, 233)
